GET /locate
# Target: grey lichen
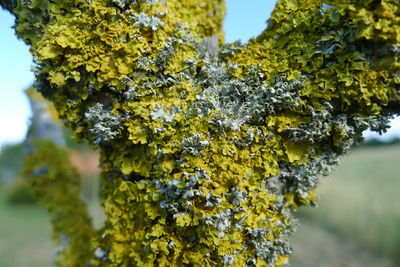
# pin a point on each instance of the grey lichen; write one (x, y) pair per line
(152, 22)
(268, 250)
(247, 140)
(121, 3)
(212, 201)
(194, 145)
(316, 130)
(302, 178)
(178, 193)
(228, 260)
(159, 112)
(236, 197)
(219, 221)
(237, 102)
(124, 3)
(104, 125)
(325, 7)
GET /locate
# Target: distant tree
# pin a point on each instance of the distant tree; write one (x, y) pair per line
(207, 148)
(375, 142)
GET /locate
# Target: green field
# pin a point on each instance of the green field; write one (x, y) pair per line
(25, 234)
(357, 223)
(359, 211)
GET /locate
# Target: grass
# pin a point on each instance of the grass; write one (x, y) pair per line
(357, 223)
(315, 246)
(360, 201)
(25, 235)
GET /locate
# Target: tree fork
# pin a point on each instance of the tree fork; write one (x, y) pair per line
(206, 149)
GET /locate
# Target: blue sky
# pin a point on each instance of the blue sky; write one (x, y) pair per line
(245, 19)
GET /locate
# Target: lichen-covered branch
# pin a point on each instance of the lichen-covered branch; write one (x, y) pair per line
(56, 185)
(8, 5)
(207, 150)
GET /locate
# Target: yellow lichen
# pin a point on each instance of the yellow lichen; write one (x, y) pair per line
(205, 157)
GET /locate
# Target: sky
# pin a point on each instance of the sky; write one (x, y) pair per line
(245, 19)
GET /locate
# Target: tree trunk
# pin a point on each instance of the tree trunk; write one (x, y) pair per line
(207, 148)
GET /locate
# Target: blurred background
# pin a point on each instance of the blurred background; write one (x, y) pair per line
(356, 224)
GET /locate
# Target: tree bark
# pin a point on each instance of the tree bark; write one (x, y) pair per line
(206, 149)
